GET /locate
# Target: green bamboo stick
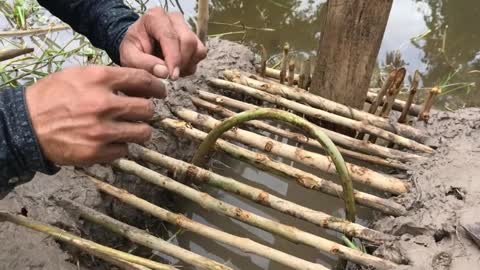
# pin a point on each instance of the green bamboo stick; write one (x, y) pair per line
(206, 148)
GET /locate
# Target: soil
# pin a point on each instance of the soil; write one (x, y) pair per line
(446, 195)
(25, 249)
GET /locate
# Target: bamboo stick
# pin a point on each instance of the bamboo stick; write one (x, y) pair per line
(298, 137)
(260, 196)
(12, 53)
(314, 160)
(263, 65)
(142, 237)
(244, 244)
(202, 155)
(291, 233)
(291, 72)
(275, 73)
(411, 95)
(427, 106)
(322, 115)
(38, 31)
(338, 138)
(393, 92)
(399, 105)
(202, 20)
(301, 77)
(265, 163)
(283, 72)
(122, 264)
(83, 244)
(316, 101)
(388, 83)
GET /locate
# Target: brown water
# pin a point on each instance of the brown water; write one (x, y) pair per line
(435, 55)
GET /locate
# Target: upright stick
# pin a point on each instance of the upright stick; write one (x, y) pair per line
(411, 95)
(202, 20)
(283, 72)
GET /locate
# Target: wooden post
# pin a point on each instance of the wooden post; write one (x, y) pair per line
(348, 49)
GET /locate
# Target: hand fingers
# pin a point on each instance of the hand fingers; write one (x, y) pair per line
(159, 26)
(126, 132)
(131, 109)
(110, 152)
(138, 59)
(134, 82)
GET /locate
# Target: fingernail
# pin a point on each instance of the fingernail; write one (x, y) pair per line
(176, 73)
(160, 71)
(160, 88)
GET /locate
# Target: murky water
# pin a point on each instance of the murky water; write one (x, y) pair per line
(435, 37)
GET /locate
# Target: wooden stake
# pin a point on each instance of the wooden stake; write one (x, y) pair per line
(291, 233)
(379, 98)
(283, 72)
(245, 244)
(393, 92)
(83, 244)
(263, 67)
(427, 106)
(291, 72)
(322, 115)
(202, 20)
(411, 95)
(338, 138)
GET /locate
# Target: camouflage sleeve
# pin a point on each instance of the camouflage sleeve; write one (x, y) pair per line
(103, 22)
(20, 153)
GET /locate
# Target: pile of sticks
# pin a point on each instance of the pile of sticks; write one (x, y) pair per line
(291, 97)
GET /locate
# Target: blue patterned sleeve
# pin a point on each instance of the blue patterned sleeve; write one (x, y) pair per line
(103, 22)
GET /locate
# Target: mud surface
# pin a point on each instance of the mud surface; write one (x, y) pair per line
(22, 248)
(447, 196)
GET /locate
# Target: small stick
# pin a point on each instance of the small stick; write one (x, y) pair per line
(393, 92)
(202, 20)
(121, 263)
(12, 53)
(265, 163)
(411, 95)
(301, 78)
(263, 67)
(311, 159)
(388, 83)
(242, 243)
(322, 115)
(83, 244)
(38, 31)
(338, 138)
(427, 106)
(291, 72)
(288, 232)
(142, 237)
(303, 96)
(308, 74)
(298, 137)
(283, 72)
(399, 105)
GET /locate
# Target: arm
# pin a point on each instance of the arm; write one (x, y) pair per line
(103, 22)
(20, 154)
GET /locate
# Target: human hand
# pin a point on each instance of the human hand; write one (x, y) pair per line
(79, 118)
(163, 44)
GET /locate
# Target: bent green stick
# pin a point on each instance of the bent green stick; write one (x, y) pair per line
(206, 147)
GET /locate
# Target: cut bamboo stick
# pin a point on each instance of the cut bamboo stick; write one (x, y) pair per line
(378, 100)
(399, 105)
(142, 237)
(122, 264)
(265, 163)
(83, 244)
(291, 72)
(427, 106)
(12, 53)
(275, 73)
(322, 115)
(38, 31)
(244, 244)
(202, 20)
(393, 92)
(323, 104)
(338, 138)
(202, 155)
(283, 72)
(291, 233)
(320, 162)
(411, 95)
(298, 137)
(260, 196)
(263, 65)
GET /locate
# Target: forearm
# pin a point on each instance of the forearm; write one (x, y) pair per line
(103, 22)
(20, 153)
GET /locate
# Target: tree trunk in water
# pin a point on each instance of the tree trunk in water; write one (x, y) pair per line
(351, 37)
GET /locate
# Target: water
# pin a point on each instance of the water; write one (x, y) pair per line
(435, 54)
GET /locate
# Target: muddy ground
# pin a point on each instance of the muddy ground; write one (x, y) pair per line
(447, 192)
